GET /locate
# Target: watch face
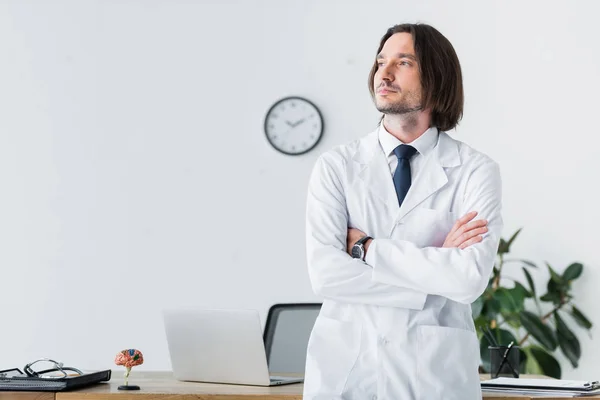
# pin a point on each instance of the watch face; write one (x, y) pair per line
(357, 251)
(294, 125)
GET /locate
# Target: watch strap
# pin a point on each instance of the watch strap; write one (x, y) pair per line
(362, 240)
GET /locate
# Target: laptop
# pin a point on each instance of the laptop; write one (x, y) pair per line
(219, 346)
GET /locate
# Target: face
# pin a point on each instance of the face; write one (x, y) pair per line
(397, 83)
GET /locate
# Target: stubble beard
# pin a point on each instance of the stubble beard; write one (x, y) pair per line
(406, 108)
(411, 104)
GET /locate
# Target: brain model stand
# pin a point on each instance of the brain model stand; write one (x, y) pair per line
(129, 358)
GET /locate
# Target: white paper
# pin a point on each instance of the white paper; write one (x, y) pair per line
(546, 383)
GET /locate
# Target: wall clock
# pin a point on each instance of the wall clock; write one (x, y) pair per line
(293, 125)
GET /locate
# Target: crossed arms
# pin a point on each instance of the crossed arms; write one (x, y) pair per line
(396, 269)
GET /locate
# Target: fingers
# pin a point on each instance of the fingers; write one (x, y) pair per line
(470, 242)
(467, 217)
(466, 232)
(471, 225)
(462, 220)
(471, 234)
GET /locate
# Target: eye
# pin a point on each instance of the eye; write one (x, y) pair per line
(406, 63)
(380, 64)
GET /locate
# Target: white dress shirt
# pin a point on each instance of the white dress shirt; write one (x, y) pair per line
(424, 144)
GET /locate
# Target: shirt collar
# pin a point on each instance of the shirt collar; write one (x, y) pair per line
(424, 143)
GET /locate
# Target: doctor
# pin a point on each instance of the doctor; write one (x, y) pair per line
(402, 231)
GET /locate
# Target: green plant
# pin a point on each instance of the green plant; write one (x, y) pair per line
(538, 333)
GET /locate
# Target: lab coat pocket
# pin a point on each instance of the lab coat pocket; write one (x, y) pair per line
(332, 352)
(448, 364)
(428, 228)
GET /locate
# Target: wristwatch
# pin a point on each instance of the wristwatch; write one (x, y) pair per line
(358, 250)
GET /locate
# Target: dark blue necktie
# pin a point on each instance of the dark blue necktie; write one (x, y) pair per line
(402, 176)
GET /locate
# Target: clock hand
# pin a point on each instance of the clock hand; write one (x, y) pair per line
(289, 123)
(299, 122)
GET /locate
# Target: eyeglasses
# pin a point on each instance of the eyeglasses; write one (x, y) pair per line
(56, 367)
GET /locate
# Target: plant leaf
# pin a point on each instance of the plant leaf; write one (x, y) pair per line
(523, 359)
(529, 263)
(553, 275)
(477, 306)
(531, 365)
(491, 308)
(485, 353)
(556, 291)
(503, 336)
(580, 318)
(526, 262)
(481, 322)
(553, 286)
(561, 327)
(573, 272)
(510, 301)
(569, 344)
(530, 281)
(513, 320)
(539, 330)
(502, 247)
(512, 239)
(491, 280)
(551, 297)
(521, 290)
(548, 364)
(571, 349)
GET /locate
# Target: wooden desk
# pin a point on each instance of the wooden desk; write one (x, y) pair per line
(162, 386)
(27, 396)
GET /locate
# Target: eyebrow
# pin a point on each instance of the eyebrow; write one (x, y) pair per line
(399, 55)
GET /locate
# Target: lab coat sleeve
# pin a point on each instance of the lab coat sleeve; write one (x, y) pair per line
(460, 275)
(333, 273)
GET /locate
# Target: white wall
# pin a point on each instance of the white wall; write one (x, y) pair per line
(136, 176)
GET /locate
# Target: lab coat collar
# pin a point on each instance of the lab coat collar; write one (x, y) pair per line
(375, 173)
(445, 150)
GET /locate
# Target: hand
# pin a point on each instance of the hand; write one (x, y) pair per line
(465, 233)
(353, 236)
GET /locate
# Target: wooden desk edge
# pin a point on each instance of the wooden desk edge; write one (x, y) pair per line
(156, 385)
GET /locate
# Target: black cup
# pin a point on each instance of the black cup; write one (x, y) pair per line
(504, 361)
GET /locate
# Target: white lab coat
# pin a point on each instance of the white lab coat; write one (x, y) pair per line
(401, 327)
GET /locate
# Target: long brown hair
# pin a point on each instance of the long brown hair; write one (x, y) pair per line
(439, 69)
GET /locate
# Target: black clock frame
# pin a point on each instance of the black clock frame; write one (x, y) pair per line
(301, 99)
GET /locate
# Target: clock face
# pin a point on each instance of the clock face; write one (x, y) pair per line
(294, 125)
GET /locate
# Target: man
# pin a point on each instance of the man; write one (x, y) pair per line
(396, 266)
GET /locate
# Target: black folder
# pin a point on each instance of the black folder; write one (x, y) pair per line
(35, 384)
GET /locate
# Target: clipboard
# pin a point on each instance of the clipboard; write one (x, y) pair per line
(35, 384)
(548, 385)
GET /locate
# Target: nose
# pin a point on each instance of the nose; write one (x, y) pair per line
(386, 74)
